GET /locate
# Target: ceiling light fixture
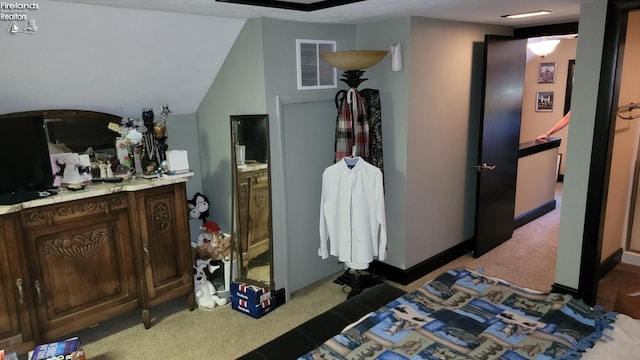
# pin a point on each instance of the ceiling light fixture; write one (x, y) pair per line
(528, 14)
(543, 48)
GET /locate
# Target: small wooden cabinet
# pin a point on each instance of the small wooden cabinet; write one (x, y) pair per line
(91, 259)
(162, 239)
(253, 207)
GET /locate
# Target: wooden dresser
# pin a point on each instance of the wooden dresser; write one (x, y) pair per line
(253, 207)
(75, 259)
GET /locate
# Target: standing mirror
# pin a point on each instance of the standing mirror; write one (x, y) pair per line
(251, 204)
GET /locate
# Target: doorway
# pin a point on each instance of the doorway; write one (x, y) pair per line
(622, 214)
(517, 74)
(600, 161)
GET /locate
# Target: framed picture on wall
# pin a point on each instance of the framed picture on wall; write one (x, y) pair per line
(547, 72)
(544, 101)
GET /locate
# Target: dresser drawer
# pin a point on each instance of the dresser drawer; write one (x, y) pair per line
(69, 211)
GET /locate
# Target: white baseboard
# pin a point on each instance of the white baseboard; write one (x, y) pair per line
(632, 258)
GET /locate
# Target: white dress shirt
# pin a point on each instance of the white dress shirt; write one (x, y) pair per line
(352, 213)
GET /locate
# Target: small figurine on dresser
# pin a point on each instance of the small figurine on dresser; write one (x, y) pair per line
(71, 170)
(160, 132)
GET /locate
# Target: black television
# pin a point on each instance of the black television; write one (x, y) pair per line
(26, 165)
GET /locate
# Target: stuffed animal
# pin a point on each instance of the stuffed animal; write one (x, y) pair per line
(212, 243)
(199, 207)
(206, 295)
(213, 270)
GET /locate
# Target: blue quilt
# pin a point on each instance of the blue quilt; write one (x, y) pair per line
(463, 314)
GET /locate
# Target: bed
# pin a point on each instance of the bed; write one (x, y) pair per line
(464, 314)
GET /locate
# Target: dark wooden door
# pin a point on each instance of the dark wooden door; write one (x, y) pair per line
(504, 66)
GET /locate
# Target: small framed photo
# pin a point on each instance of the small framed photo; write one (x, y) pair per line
(544, 101)
(547, 73)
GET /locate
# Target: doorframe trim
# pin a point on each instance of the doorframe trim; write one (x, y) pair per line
(591, 268)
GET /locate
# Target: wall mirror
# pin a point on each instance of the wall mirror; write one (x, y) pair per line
(251, 204)
(76, 130)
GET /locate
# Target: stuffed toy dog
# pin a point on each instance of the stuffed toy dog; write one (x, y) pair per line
(206, 295)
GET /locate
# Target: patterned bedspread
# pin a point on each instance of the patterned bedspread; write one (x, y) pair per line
(463, 314)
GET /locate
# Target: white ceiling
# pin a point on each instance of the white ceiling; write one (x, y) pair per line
(116, 56)
(478, 11)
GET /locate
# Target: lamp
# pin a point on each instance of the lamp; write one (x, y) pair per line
(543, 48)
(353, 60)
(353, 63)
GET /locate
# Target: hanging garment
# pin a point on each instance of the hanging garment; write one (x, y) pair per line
(352, 213)
(371, 98)
(352, 128)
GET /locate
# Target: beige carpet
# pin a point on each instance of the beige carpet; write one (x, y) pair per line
(528, 260)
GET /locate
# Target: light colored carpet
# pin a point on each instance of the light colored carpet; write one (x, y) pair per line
(528, 260)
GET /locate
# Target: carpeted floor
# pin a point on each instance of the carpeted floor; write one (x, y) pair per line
(528, 260)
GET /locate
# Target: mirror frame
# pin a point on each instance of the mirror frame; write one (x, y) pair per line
(94, 133)
(242, 273)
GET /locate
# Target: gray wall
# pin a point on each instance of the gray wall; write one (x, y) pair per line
(583, 105)
(444, 113)
(394, 99)
(430, 131)
(182, 133)
(284, 104)
(238, 89)
(309, 130)
(259, 76)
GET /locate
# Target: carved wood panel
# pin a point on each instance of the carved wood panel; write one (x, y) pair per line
(164, 237)
(81, 245)
(54, 214)
(82, 270)
(254, 221)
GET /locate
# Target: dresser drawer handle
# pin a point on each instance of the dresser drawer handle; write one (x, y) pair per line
(37, 286)
(19, 286)
(146, 254)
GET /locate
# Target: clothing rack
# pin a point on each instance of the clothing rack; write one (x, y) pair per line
(358, 280)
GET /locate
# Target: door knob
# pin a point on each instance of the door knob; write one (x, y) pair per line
(484, 167)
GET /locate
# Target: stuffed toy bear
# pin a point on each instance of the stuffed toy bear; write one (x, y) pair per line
(206, 295)
(199, 207)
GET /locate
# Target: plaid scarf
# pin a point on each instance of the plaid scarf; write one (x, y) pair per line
(352, 124)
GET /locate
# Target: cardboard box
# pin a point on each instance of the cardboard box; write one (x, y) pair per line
(254, 310)
(69, 349)
(251, 293)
